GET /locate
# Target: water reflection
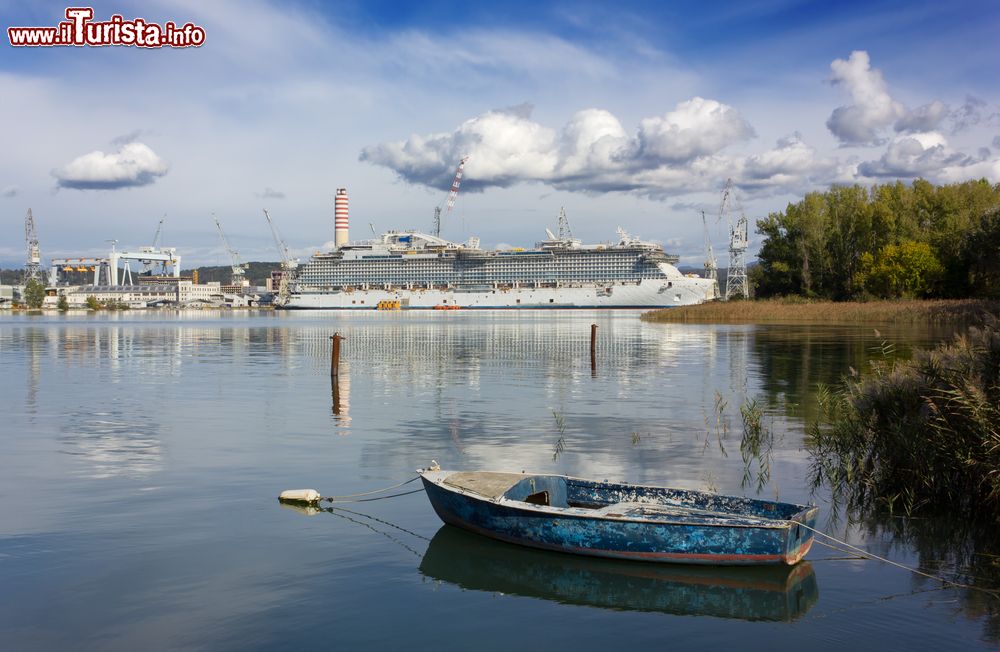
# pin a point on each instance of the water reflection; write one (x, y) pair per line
(111, 445)
(958, 551)
(340, 395)
(473, 562)
(792, 361)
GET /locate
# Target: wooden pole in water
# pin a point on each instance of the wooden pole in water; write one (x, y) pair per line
(593, 348)
(335, 355)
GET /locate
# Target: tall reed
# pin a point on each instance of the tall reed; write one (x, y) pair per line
(917, 436)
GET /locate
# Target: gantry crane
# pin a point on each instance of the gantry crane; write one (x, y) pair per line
(452, 196)
(737, 283)
(33, 266)
(239, 269)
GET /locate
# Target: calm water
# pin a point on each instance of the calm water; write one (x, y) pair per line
(141, 454)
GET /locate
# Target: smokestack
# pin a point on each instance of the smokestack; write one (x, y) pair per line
(340, 218)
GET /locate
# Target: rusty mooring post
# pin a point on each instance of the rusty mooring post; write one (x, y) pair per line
(593, 348)
(335, 355)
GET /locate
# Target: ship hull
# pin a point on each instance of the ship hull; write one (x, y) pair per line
(644, 294)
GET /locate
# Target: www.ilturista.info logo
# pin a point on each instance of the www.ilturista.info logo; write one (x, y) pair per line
(79, 29)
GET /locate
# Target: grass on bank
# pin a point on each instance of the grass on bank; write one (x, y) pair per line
(794, 311)
(917, 436)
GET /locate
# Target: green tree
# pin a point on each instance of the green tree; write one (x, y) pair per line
(93, 303)
(34, 294)
(908, 269)
(980, 256)
(63, 303)
(833, 244)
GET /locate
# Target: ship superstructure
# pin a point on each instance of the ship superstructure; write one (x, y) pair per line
(418, 270)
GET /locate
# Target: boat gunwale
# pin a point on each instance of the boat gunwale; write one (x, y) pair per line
(763, 524)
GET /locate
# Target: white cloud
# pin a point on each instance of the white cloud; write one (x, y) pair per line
(9, 191)
(791, 165)
(873, 108)
(591, 153)
(697, 127)
(134, 164)
(593, 139)
(915, 155)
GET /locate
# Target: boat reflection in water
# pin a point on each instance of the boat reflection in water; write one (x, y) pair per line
(473, 562)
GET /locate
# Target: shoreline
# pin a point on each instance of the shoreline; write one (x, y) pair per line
(800, 311)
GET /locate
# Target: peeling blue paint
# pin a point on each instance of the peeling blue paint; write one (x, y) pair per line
(630, 521)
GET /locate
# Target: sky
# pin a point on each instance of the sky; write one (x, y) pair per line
(626, 114)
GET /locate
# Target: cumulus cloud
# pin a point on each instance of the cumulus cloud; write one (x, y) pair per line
(9, 191)
(133, 164)
(873, 108)
(591, 152)
(790, 165)
(923, 118)
(695, 128)
(915, 155)
(271, 193)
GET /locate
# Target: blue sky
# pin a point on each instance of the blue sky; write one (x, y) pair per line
(630, 114)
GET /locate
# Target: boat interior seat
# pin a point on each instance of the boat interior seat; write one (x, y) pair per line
(540, 490)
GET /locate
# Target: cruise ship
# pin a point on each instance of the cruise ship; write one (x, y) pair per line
(410, 269)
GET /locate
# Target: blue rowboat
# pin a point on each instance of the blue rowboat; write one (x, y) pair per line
(623, 521)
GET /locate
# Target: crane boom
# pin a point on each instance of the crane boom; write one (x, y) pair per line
(237, 267)
(452, 196)
(287, 262)
(159, 230)
(711, 265)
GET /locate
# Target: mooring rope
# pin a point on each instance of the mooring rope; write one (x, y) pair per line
(334, 500)
(864, 553)
(337, 499)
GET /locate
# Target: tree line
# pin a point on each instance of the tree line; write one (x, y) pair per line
(889, 241)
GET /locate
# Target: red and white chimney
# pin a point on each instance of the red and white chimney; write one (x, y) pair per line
(340, 221)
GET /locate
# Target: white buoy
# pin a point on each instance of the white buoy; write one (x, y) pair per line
(300, 496)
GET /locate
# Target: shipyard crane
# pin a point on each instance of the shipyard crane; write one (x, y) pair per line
(159, 231)
(287, 262)
(452, 196)
(239, 269)
(737, 283)
(147, 265)
(564, 231)
(33, 266)
(711, 265)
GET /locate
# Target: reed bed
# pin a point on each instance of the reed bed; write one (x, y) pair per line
(921, 435)
(796, 311)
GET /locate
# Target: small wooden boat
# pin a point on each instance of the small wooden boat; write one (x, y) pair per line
(623, 521)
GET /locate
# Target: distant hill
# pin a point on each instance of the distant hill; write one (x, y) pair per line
(11, 276)
(257, 273)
